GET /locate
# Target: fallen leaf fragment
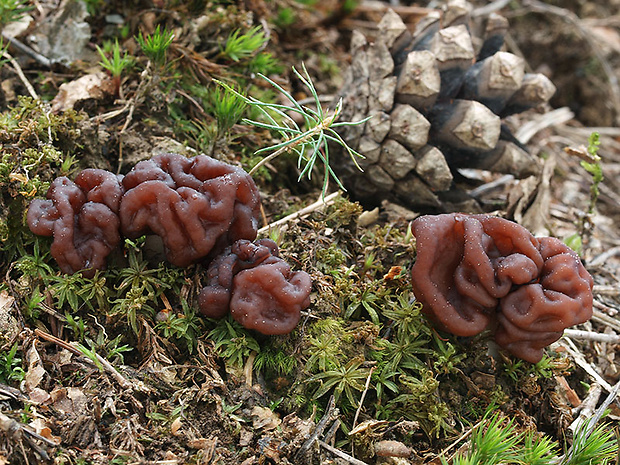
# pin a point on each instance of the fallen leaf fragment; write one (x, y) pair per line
(39, 396)
(264, 418)
(95, 86)
(175, 427)
(36, 372)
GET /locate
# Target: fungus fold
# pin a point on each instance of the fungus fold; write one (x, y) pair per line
(196, 205)
(82, 216)
(477, 272)
(203, 210)
(261, 290)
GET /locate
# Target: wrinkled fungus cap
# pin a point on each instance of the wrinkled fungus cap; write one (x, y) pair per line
(202, 209)
(196, 205)
(258, 286)
(82, 217)
(474, 272)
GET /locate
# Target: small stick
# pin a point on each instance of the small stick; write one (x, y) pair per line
(601, 317)
(44, 61)
(323, 202)
(320, 427)
(602, 130)
(359, 408)
(331, 432)
(370, 6)
(22, 76)
(342, 455)
(16, 431)
(124, 383)
(601, 289)
(602, 258)
(463, 436)
(552, 118)
(598, 414)
(609, 311)
(490, 8)
(583, 363)
(587, 407)
(592, 336)
(489, 186)
(247, 369)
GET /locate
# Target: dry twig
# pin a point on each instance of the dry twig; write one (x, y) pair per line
(321, 203)
(23, 48)
(331, 413)
(22, 76)
(587, 407)
(18, 432)
(343, 455)
(592, 336)
(537, 124)
(583, 363)
(107, 366)
(359, 408)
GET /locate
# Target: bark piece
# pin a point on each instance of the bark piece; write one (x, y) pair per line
(535, 90)
(396, 160)
(494, 35)
(433, 168)
(465, 124)
(409, 127)
(494, 80)
(419, 82)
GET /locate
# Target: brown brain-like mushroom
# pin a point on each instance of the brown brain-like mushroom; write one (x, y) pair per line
(201, 208)
(196, 205)
(474, 272)
(535, 315)
(82, 216)
(259, 288)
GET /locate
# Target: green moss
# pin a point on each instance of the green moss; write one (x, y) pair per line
(31, 140)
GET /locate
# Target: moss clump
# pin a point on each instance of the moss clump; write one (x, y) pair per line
(31, 143)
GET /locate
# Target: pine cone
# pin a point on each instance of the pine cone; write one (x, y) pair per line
(437, 106)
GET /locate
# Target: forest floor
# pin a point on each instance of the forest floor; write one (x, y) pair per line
(121, 369)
